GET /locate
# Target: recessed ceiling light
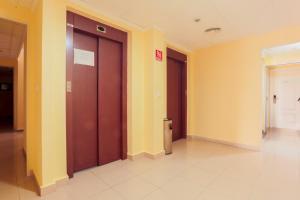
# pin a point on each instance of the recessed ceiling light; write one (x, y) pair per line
(197, 20)
(213, 30)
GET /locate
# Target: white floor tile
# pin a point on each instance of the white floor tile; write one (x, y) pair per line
(134, 189)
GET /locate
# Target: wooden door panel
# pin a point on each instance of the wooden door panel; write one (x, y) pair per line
(84, 106)
(110, 100)
(175, 93)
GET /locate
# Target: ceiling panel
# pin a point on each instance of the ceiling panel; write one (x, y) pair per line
(5, 41)
(12, 37)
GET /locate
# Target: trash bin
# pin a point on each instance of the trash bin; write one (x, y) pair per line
(168, 136)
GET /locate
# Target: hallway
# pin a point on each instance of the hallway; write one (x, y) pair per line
(197, 170)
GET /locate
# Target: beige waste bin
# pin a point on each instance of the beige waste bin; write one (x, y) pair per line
(168, 136)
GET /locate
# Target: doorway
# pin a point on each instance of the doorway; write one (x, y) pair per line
(96, 93)
(281, 92)
(6, 99)
(284, 101)
(13, 69)
(176, 92)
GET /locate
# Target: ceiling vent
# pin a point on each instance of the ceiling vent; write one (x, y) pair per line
(213, 30)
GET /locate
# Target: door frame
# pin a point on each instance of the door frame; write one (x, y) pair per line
(273, 109)
(266, 98)
(88, 26)
(180, 57)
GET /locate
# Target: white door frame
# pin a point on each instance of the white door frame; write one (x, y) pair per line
(266, 91)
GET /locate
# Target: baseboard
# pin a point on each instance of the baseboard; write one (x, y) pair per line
(42, 191)
(47, 190)
(238, 145)
(36, 183)
(136, 156)
(147, 155)
(155, 156)
(53, 187)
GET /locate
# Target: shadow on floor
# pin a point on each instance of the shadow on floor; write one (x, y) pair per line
(13, 176)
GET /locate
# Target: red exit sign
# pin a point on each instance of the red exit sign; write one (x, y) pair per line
(159, 55)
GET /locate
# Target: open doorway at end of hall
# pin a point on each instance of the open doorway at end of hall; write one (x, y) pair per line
(6, 99)
(283, 97)
(12, 76)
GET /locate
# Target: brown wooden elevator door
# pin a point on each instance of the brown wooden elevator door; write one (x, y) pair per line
(84, 106)
(175, 94)
(110, 87)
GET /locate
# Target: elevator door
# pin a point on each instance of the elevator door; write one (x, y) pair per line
(175, 93)
(84, 105)
(96, 93)
(110, 99)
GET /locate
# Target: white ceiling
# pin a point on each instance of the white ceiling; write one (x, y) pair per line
(12, 36)
(295, 47)
(237, 18)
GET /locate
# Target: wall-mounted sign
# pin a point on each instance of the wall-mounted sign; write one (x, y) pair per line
(159, 55)
(83, 57)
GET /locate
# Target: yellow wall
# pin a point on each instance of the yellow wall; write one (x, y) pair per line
(136, 93)
(155, 87)
(53, 91)
(8, 62)
(19, 92)
(14, 13)
(33, 93)
(227, 81)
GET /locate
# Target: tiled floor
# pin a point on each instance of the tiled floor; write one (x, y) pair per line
(13, 180)
(196, 170)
